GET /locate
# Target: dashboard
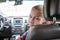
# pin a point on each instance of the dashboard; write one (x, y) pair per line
(18, 21)
(18, 26)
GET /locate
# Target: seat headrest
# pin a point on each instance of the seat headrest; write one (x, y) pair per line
(52, 9)
(44, 32)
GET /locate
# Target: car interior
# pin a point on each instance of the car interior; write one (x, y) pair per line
(12, 26)
(51, 31)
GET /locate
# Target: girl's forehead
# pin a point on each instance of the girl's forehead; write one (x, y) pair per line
(36, 13)
(33, 14)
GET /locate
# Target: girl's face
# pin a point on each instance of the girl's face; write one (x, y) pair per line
(36, 18)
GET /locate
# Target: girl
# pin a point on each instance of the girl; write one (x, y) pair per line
(36, 17)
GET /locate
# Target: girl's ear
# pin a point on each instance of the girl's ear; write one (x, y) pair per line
(49, 22)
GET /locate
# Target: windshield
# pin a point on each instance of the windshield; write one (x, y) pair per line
(9, 9)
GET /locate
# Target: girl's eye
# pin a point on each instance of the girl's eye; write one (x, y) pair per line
(37, 18)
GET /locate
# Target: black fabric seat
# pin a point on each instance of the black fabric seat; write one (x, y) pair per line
(44, 32)
(52, 9)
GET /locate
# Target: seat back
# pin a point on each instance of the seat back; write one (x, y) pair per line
(52, 9)
(44, 32)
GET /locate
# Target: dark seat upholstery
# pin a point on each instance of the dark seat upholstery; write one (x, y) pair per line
(44, 32)
(52, 9)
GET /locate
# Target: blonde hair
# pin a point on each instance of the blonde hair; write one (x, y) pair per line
(39, 8)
